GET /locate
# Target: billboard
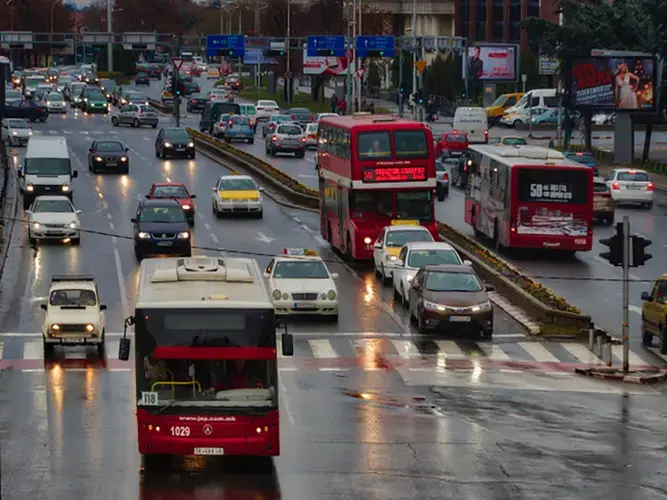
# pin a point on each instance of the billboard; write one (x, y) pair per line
(493, 63)
(613, 83)
(328, 66)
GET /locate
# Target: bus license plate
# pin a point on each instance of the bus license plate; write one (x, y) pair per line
(209, 451)
(305, 305)
(460, 319)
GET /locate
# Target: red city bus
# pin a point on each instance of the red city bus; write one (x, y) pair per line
(529, 197)
(373, 169)
(205, 355)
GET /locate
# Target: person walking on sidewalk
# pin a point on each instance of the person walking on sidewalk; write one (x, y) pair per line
(334, 103)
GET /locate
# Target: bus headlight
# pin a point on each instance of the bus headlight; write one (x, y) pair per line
(276, 294)
(331, 295)
(367, 240)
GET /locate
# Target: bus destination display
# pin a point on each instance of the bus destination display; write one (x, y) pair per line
(394, 174)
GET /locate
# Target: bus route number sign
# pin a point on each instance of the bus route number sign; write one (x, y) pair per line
(149, 399)
(394, 174)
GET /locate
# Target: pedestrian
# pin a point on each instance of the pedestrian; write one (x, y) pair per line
(371, 108)
(334, 103)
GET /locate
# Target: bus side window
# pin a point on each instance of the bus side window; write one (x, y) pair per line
(348, 145)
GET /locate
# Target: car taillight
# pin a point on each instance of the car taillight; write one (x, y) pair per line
(486, 133)
(311, 136)
(193, 101)
(649, 187)
(272, 126)
(445, 177)
(615, 186)
(293, 117)
(303, 139)
(260, 109)
(274, 138)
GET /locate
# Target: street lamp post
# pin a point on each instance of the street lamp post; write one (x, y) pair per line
(288, 81)
(110, 31)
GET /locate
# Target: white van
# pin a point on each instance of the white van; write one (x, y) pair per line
(538, 98)
(47, 169)
(473, 122)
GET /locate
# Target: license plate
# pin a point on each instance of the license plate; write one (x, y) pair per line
(460, 319)
(53, 232)
(73, 340)
(209, 451)
(164, 243)
(180, 148)
(633, 187)
(305, 305)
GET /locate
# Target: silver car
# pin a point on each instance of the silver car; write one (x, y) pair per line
(288, 138)
(55, 103)
(15, 132)
(135, 115)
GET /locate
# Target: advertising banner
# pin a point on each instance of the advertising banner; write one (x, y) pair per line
(328, 66)
(613, 83)
(498, 63)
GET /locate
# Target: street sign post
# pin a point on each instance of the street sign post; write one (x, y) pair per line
(177, 63)
(325, 46)
(16, 39)
(376, 46)
(225, 45)
(421, 66)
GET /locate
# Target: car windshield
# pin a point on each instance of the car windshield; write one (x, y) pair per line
(142, 75)
(514, 141)
(267, 104)
(581, 158)
(440, 167)
(300, 270)
(280, 118)
(452, 282)
(11, 94)
(47, 166)
(290, 130)
(72, 298)
(241, 120)
(238, 185)
(401, 237)
(109, 147)
(18, 124)
(53, 206)
(632, 176)
(458, 138)
(137, 97)
(170, 192)
(176, 135)
(410, 144)
(33, 81)
(432, 257)
(55, 97)
(374, 145)
(95, 94)
(414, 205)
(162, 214)
(312, 128)
(299, 111)
(147, 109)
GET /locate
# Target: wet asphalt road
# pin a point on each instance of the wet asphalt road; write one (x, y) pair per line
(367, 423)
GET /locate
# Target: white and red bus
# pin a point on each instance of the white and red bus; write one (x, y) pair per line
(373, 169)
(529, 197)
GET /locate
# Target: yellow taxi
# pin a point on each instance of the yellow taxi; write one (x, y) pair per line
(495, 112)
(212, 72)
(166, 96)
(654, 314)
(390, 241)
(237, 194)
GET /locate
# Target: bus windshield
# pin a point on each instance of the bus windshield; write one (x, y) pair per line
(550, 185)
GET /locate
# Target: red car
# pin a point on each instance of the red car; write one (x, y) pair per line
(175, 191)
(451, 145)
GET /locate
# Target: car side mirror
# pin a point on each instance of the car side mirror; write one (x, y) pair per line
(127, 150)
(43, 306)
(124, 349)
(75, 174)
(647, 296)
(133, 220)
(267, 275)
(90, 150)
(28, 212)
(288, 344)
(103, 307)
(467, 263)
(261, 189)
(78, 212)
(335, 276)
(377, 245)
(490, 288)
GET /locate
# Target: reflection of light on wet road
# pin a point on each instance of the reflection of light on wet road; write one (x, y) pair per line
(369, 354)
(476, 372)
(369, 292)
(56, 388)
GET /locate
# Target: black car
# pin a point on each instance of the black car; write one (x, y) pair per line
(191, 88)
(91, 79)
(142, 79)
(234, 82)
(302, 116)
(30, 110)
(108, 155)
(174, 142)
(197, 102)
(161, 227)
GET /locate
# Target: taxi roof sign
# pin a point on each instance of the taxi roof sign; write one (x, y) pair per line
(300, 251)
(398, 222)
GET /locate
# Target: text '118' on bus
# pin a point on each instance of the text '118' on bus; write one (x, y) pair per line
(373, 170)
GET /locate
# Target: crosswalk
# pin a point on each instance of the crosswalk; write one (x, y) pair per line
(346, 352)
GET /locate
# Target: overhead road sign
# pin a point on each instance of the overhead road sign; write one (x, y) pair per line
(325, 46)
(376, 46)
(139, 41)
(255, 55)
(277, 48)
(225, 45)
(97, 38)
(16, 39)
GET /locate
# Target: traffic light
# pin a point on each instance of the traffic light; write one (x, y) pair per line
(176, 84)
(276, 52)
(420, 98)
(615, 244)
(639, 255)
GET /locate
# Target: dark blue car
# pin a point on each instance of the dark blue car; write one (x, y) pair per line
(584, 158)
(142, 79)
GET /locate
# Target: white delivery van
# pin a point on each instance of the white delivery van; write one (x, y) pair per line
(538, 98)
(46, 170)
(473, 122)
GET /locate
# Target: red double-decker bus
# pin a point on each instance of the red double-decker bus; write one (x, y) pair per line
(205, 354)
(529, 197)
(372, 170)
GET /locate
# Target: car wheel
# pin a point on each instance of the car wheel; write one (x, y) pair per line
(441, 195)
(251, 141)
(609, 220)
(516, 122)
(647, 337)
(385, 278)
(135, 123)
(649, 205)
(216, 212)
(76, 241)
(404, 300)
(138, 254)
(192, 156)
(32, 240)
(260, 214)
(114, 121)
(101, 349)
(421, 326)
(154, 125)
(126, 170)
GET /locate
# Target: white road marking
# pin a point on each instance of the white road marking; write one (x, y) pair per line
(492, 351)
(33, 350)
(332, 369)
(214, 238)
(538, 352)
(114, 240)
(322, 349)
(450, 349)
(207, 225)
(111, 226)
(121, 283)
(630, 275)
(306, 228)
(147, 138)
(263, 238)
(284, 399)
(508, 335)
(406, 349)
(297, 220)
(109, 216)
(582, 353)
(634, 359)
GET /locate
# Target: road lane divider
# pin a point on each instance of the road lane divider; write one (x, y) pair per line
(9, 197)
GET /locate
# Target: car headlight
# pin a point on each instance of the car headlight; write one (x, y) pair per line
(55, 328)
(65, 189)
(331, 295)
(191, 144)
(276, 294)
(184, 235)
(73, 225)
(143, 236)
(486, 306)
(409, 278)
(90, 328)
(36, 225)
(29, 132)
(14, 132)
(85, 99)
(390, 257)
(432, 306)
(167, 144)
(186, 207)
(99, 158)
(123, 158)
(30, 188)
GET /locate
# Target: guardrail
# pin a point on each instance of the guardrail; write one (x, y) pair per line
(596, 128)
(564, 318)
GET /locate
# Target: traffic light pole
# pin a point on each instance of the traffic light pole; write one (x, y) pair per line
(177, 95)
(627, 259)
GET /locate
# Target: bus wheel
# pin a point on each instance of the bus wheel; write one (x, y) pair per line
(329, 233)
(496, 236)
(348, 248)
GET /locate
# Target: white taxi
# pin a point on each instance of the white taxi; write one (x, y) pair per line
(390, 241)
(415, 256)
(301, 284)
(237, 194)
(630, 186)
(74, 315)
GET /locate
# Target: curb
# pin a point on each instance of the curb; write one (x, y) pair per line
(8, 209)
(617, 376)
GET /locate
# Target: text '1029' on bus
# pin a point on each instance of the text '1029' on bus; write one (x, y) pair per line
(372, 170)
(206, 358)
(529, 197)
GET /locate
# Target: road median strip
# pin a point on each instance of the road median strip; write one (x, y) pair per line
(8, 206)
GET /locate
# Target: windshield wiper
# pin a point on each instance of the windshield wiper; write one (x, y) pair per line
(165, 407)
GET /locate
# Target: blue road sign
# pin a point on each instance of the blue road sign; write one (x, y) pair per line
(225, 45)
(325, 46)
(255, 55)
(376, 46)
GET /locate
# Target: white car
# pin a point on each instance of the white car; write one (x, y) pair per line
(311, 135)
(218, 94)
(629, 185)
(74, 314)
(413, 257)
(301, 284)
(519, 117)
(55, 103)
(220, 126)
(266, 109)
(389, 244)
(53, 218)
(15, 132)
(319, 116)
(234, 194)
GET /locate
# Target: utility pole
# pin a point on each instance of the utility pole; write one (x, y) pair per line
(626, 294)
(559, 125)
(176, 83)
(414, 54)
(110, 30)
(354, 56)
(348, 78)
(400, 80)
(288, 66)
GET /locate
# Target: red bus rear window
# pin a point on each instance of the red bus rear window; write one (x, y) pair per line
(410, 144)
(407, 144)
(374, 145)
(553, 186)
